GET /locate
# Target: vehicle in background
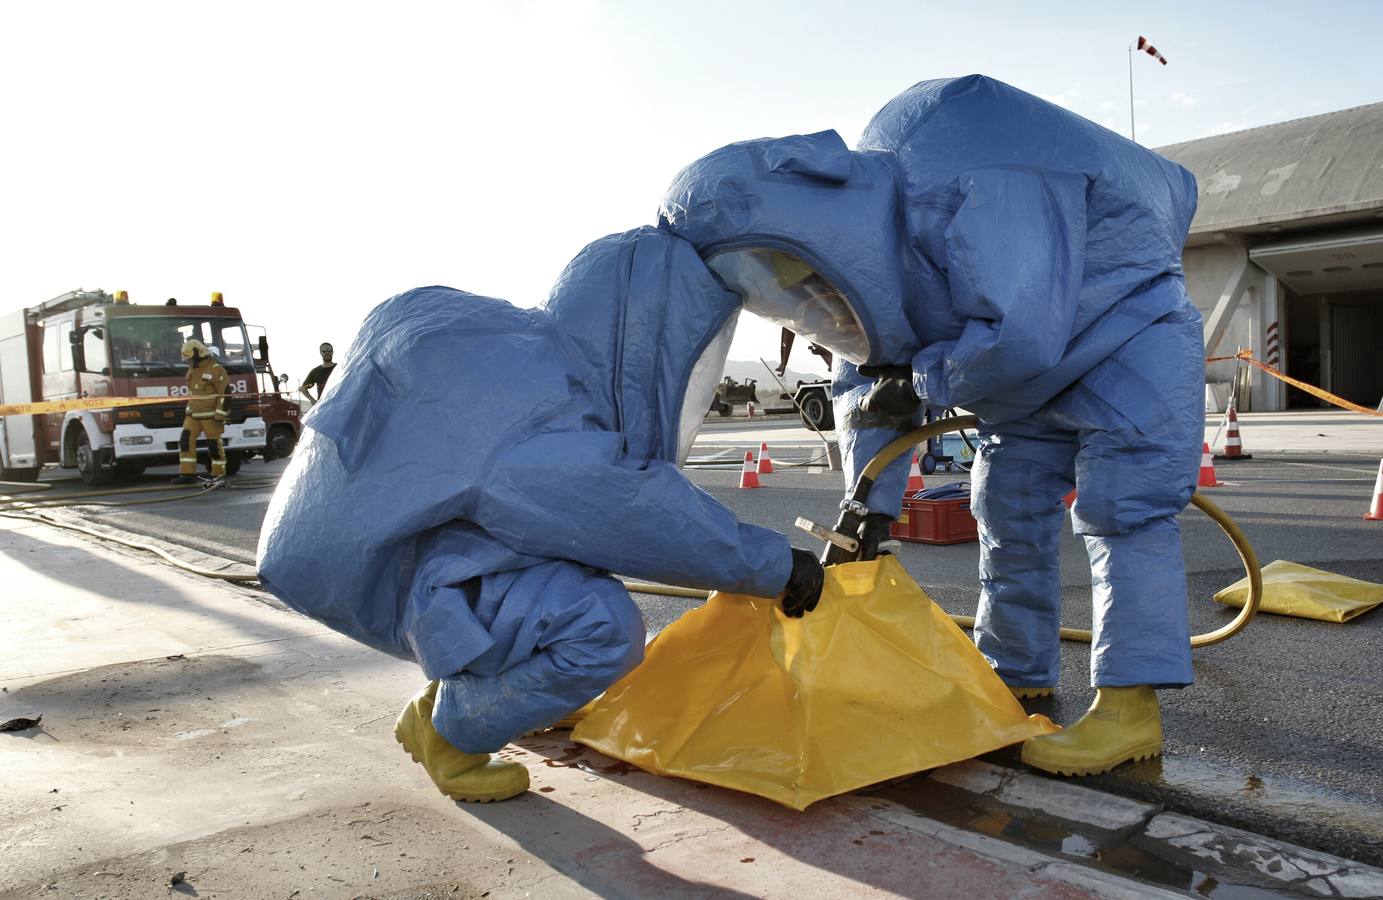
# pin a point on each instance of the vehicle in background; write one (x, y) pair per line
(90, 344)
(729, 392)
(813, 400)
(282, 414)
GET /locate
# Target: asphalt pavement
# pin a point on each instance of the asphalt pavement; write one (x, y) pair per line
(1282, 733)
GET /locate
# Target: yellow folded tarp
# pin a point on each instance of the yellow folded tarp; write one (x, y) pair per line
(1291, 589)
(878, 682)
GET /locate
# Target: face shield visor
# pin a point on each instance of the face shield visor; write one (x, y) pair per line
(701, 387)
(785, 290)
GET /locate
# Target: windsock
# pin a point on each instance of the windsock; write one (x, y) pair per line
(1150, 50)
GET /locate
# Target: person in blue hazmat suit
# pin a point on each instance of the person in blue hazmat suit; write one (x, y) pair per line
(988, 250)
(463, 493)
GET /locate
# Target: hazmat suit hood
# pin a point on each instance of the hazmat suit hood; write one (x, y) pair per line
(647, 299)
(803, 221)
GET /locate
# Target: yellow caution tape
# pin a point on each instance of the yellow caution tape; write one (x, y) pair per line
(52, 406)
(1247, 356)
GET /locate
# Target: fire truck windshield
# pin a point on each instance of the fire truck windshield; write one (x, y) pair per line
(152, 345)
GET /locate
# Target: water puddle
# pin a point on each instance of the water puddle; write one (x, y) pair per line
(577, 757)
(964, 809)
(1266, 795)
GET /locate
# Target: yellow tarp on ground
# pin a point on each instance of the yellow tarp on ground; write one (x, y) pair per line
(1291, 589)
(877, 683)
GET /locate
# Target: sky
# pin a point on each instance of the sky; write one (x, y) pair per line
(310, 160)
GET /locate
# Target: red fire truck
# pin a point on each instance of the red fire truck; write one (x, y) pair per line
(282, 414)
(90, 344)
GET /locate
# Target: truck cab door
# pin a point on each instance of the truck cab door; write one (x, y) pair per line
(19, 435)
(58, 380)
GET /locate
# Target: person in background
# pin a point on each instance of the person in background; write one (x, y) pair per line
(208, 388)
(319, 375)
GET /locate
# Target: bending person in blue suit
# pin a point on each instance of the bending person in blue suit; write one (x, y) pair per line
(464, 493)
(985, 249)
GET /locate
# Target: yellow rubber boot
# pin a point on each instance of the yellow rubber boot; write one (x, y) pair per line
(1123, 724)
(469, 777)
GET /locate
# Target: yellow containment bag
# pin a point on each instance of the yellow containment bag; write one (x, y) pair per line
(877, 683)
(1291, 589)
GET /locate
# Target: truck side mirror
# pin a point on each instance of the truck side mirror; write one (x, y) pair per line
(75, 338)
(264, 348)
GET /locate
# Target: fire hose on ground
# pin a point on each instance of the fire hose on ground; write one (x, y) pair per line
(838, 548)
(839, 541)
(15, 508)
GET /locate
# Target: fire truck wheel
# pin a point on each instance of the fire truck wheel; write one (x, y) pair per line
(281, 442)
(89, 462)
(233, 461)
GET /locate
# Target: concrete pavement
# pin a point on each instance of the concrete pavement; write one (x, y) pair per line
(198, 741)
(189, 728)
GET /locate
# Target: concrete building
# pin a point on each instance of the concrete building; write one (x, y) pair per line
(1285, 255)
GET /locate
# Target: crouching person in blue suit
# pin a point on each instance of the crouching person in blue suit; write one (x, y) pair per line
(464, 491)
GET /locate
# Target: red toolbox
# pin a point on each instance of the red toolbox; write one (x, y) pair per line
(936, 522)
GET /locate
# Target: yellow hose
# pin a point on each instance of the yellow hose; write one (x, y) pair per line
(24, 487)
(905, 444)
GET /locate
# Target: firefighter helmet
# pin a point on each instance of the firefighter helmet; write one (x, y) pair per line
(194, 347)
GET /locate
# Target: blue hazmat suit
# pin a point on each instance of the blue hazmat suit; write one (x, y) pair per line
(476, 471)
(1025, 264)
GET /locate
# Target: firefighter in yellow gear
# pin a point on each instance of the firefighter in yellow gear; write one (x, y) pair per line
(207, 411)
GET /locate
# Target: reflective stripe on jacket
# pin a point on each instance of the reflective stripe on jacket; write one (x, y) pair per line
(207, 383)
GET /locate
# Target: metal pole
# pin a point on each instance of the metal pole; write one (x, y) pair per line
(1132, 131)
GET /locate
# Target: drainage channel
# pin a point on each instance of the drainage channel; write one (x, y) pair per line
(1113, 853)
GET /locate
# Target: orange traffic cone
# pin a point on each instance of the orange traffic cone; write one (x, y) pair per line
(748, 477)
(915, 482)
(1234, 447)
(1070, 498)
(1376, 512)
(765, 466)
(1207, 478)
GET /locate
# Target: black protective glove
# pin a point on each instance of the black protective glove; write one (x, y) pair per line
(892, 394)
(804, 585)
(873, 532)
